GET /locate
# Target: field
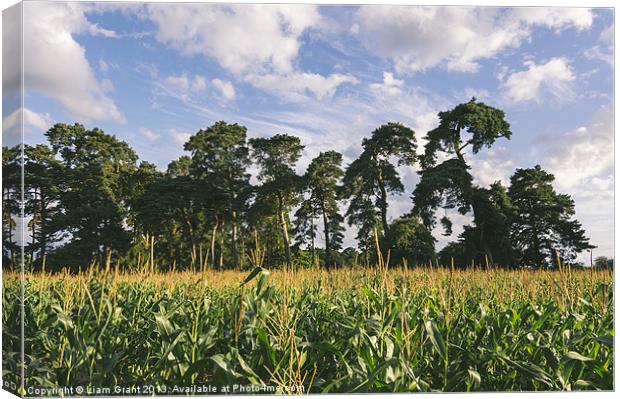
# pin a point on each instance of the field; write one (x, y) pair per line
(312, 330)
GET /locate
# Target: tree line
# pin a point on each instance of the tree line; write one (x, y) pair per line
(88, 199)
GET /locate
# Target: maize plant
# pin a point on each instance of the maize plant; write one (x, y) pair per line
(347, 330)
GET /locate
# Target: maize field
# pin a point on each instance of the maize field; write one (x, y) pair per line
(313, 330)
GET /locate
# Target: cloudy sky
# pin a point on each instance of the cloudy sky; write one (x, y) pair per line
(155, 74)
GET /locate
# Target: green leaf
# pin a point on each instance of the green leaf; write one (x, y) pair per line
(252, 274)
(605, 340)
(575, 356)
(474, 375)
(436, 338)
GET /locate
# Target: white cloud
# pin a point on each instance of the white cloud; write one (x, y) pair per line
(426, 121)
(149, 134)
(56, 65)
(182, 86)
(295, 85)
(199, 83)
(96, 30)
(179, 83)
(390, 85)
(241, 38)
(39, 121)
(557, 18)
(256, 43)
(417, 38)
(578, 156)
(226, 89)
(103, 66)
(497, 163)
(603, 51)
(607, 35)
(33, 123)
(189, 88)
(179, 138)
(553, 77)
(11, 50)
(107, 85)
(582, 162)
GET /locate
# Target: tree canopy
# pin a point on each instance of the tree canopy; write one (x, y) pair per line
(372, 177)
(235, 202)
(543, 220)
(450, 184)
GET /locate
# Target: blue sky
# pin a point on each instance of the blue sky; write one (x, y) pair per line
(154, 74)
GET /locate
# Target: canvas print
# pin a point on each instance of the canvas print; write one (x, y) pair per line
(213, 198)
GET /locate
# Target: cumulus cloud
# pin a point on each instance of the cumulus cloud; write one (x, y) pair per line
(182, 86)
(240, 37)
(225, 88)
(294, 85)
(11, 50)
(182, 83)
(179, 138)
(390, 85)
(497, 163)
(582, 161)
(103, 66)
(553, 77)
(418, 38)
(199, 83)
(557, 18)
(604, 50)
(576, 157)
(56, 65)
(190, 88)
(256, 43)
(33, 123)
(149, 134)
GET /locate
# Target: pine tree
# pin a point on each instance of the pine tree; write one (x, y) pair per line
(543, 220)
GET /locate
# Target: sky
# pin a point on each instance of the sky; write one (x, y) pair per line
(154, 74)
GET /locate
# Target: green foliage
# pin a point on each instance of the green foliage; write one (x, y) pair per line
(321, 186)
(95, 167)
(167, 209)
(87, 199)
(542, 222)
(410, 241)
(447, 185)
(472, 124)
(456, 252)
(277, 156)
(450, 185)
(43, 187)
(490, 235)
(370, 178)
(11, 195)
(603, 262)
(220, 160)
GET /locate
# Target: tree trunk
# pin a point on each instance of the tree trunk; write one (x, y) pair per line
(213, 233)
(190, 233)
(383, 204)
(328, 257)
(152, 256)
(483, 243)
(378, 249)
(287, 248)
(43, 237)
(312, 244)
(34, 229)
(221, 259)
(233, 249)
